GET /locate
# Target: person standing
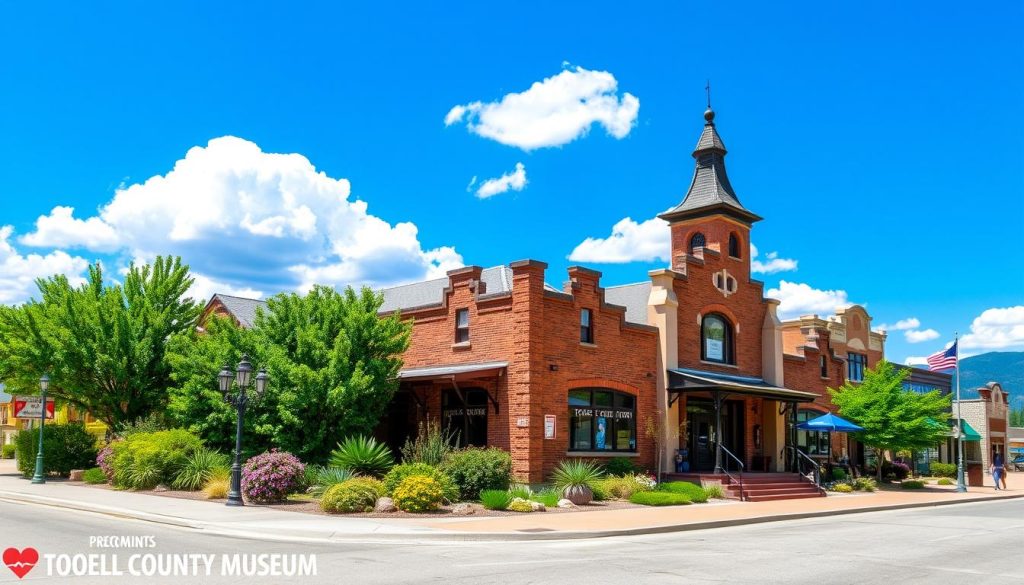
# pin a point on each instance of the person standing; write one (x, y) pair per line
(997, 470)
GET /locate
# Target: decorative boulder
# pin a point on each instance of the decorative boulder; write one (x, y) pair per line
(161, 488)
(385, 505)
(538, 507)
(564, 503)
(76, 474)
(463, 509)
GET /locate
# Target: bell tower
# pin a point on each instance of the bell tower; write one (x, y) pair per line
(711, 217)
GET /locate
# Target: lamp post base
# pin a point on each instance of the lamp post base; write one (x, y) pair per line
(39, 476)
(961, 487)
(234, 501)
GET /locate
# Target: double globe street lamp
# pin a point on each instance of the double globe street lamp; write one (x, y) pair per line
(44, 385)
(242, 377)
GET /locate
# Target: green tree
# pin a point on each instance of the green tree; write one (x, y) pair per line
(333, 367)
(101, 344)
(1017, 417)
(893, 418)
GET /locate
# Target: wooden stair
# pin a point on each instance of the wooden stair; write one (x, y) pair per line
(757, 487)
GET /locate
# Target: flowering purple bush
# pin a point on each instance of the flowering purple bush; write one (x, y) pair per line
(271, 476)
(105, 459)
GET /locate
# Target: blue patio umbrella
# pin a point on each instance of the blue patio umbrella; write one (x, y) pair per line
(830, 423)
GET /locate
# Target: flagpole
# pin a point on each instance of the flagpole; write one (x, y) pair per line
(961, 487)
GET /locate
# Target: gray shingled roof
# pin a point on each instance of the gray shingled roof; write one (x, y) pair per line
(241, 308)
(497, 280)
(4, 396)
(710, 185)
(633, 297)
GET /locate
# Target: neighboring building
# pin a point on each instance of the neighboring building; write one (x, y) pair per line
(989, 416)
(65, 413)
(924, 381)
(241, 310)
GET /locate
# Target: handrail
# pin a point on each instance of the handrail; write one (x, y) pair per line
(815, 474)
(729, 475)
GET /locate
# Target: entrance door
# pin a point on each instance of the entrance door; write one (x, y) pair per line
(467, 422)
(700, 414)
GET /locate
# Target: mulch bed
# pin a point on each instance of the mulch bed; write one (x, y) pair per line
(313, 507)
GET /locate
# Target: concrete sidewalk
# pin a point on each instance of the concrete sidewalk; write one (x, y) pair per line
(276, 524)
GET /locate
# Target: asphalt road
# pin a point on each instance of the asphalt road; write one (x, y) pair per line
(969, 543)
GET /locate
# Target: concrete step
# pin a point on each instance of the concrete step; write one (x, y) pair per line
(772, 498)
(765, 486)
(781, 491)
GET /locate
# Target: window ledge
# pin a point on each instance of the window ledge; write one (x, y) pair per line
(586, 344)
(462, 345)
(724, 365)
(608, 454)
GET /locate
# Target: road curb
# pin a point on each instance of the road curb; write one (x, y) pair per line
(440, 536)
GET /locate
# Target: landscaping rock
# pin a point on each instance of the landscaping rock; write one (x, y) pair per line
(76, 474)
(538, 507)
(385, 505)
(161, 488)
(463, 509)
(564, 503)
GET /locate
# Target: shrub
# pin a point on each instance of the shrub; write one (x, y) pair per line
(523, 492)
(624, 487)
(363, 456)
(145, 460)
(105, 459)
(838, 473)
(358, 494)
(547, 497)
(714, 491)
(659, 499)
(418, 493)
(65, 447)
(320, 479)
(599, 490)
(620, 466)
(912, 484)
(7, 451)
(476, 469)
(945, 481)
(431, 446)
(495, 499)
(865, 483)
(692, 491)
(152, 423)
(94, 476)
(399, 472)
(894, 471)
(843, 488)
(217, 488)
(942, 469)
(271, 476)
(198, 469)
(519, 505)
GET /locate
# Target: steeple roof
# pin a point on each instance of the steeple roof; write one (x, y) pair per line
(710, 191)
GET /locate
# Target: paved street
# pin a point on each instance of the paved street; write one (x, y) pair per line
(970, 543)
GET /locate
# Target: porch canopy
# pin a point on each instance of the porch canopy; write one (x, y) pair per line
(969, 433)
(831, 423)
(719, 386)
(453, 374)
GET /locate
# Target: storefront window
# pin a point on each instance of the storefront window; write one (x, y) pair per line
(601, 420)
(468, 423)
(812, 442)
(716, 339)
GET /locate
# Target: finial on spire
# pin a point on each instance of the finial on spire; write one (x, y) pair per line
(709, 114)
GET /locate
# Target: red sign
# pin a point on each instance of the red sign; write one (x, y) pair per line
(29, 407)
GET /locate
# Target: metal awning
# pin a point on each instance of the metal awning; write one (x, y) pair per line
(681, 381)
(969, 433)
(448, 371)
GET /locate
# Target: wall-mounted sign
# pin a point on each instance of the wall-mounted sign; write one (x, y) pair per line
(523, 422)
(30, 407)
(549, 426)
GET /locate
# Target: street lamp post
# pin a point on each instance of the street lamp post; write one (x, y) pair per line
(242, 378)
(40, 476)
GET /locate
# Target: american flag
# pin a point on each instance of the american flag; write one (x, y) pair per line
(944, 359)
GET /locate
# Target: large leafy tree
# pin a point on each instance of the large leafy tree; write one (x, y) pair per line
(101, 344)
(894, 419)
(332, 361)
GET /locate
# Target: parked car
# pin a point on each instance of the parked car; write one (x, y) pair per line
(1018, 463)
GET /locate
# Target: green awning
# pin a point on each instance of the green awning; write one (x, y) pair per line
(969, 433)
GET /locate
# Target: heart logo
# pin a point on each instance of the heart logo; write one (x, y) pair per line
(20, 562)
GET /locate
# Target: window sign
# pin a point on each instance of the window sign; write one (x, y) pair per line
(549, 426)
(600, 420)
(713, 349)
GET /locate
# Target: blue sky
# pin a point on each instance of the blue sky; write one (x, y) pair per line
(882, 144)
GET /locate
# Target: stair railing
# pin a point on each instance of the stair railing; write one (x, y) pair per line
(802, 461)
(739, 473)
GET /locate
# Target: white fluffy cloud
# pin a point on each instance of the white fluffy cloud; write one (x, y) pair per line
(917, 336)
(251, 221)
(997, 328)
(772, 265)
(916, 360)
(798, 299)
(901, 325)
(18, 272)
(516, 181)
(552, 112)
(629, 242)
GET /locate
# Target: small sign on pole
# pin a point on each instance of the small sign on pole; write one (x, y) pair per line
(30, 407)
(549, 426)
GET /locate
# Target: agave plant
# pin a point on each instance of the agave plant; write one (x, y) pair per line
(573, 479)
(324, 477)
(363, 455)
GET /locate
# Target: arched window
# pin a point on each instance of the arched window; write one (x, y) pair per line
(734, 246)
(697, 241)
(601, 419)
(716, 339)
